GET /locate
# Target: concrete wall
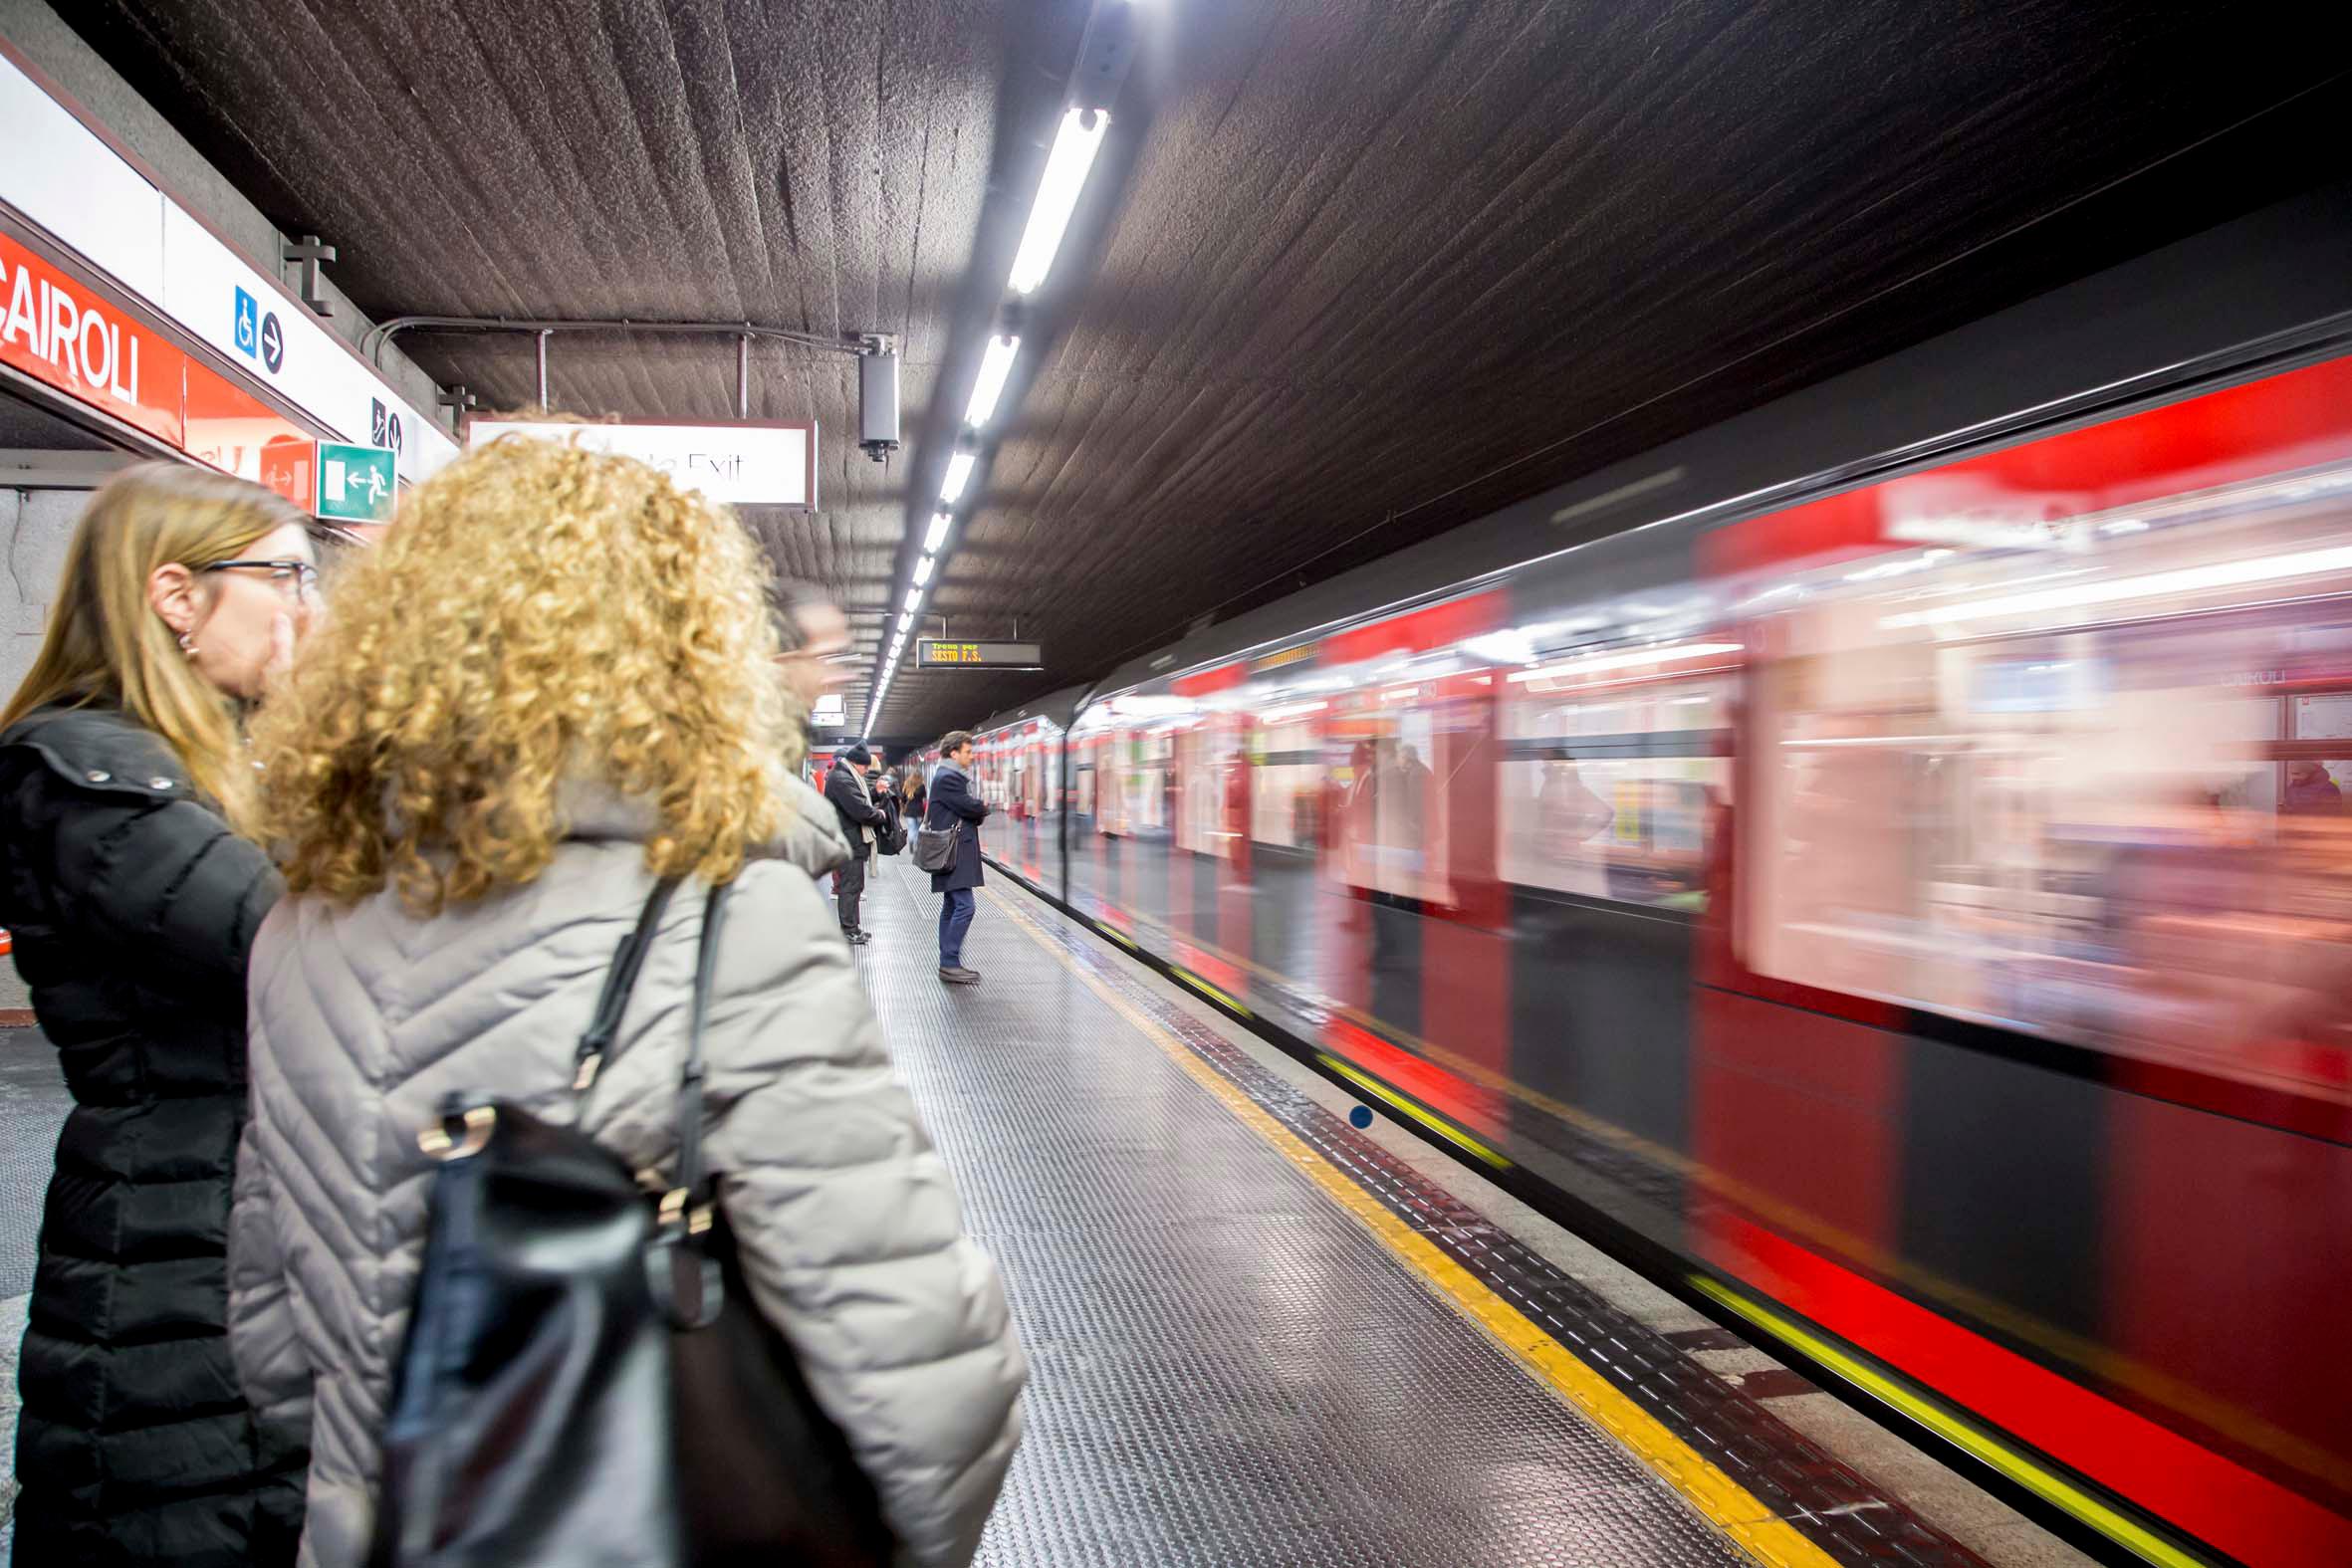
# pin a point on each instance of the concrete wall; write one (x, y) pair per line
(36, 30)
(34, 527)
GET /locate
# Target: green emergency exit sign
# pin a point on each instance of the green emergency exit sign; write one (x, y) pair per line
(355, 483)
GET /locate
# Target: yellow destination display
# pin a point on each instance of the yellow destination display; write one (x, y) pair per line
(941, 654)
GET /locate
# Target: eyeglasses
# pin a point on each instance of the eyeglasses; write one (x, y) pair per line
(297, 580)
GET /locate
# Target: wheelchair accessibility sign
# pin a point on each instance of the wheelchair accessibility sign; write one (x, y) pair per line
(259, 336)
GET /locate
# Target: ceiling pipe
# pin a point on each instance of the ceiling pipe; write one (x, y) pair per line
(376, 338)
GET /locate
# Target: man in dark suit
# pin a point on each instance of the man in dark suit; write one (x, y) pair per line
(954, 801)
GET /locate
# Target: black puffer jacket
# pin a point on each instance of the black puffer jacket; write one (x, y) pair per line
(133, 907)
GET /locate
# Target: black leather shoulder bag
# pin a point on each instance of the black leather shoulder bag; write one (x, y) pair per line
(585, 1379)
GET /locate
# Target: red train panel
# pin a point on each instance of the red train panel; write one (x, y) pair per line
(1929, 906)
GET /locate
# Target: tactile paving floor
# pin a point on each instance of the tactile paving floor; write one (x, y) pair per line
(1850, 1518)
(1228, 1369)
(33, 1106)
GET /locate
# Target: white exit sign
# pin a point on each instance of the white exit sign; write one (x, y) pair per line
(747, 462)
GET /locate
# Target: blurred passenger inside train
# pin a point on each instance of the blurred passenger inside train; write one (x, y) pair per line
(1568, 815)
(1409, 798)
(2311, 792)
(134, 907)
(555, 682)
(1354, 794)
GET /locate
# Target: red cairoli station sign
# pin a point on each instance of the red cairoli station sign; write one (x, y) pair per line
(59, 330)
(77, 337)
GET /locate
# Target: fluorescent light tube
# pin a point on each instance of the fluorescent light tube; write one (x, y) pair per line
(905, 620)
(938, 534)
(1057, 195)
(995, 364)
(914, 600)
(924, 570)
(959, 473)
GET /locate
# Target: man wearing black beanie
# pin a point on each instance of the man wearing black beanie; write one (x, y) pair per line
(853, 803)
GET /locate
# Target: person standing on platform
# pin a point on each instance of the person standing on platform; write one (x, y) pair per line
(463, 862)
(888, 841)
(853, 803)
(134, 908)
(953, 800)
(811, 639)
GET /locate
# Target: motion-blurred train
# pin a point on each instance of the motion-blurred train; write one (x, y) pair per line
(1895, 878)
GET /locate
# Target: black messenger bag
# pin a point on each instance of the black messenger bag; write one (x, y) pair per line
(935, 849)
(585, 1380)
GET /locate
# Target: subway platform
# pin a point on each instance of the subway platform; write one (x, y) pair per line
(1263, 1336)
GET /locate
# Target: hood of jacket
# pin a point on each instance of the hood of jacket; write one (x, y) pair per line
(806, 835)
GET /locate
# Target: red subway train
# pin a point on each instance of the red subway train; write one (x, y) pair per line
(1910, 903)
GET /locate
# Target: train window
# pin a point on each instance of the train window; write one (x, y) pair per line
(1393, 752)
(2092, 788)
(1287, 789)
(1147, 780)
(1614, 791)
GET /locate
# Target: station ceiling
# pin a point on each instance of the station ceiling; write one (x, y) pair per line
(1350, 271)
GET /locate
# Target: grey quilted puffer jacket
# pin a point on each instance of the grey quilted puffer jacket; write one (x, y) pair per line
(364, 1017)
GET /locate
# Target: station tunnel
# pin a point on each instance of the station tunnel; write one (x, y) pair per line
(1582, 768)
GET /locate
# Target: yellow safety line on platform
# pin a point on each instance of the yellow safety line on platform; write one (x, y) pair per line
(1209, 991)
(1965, 1435)
(1728, 1505)
(1427, 1118)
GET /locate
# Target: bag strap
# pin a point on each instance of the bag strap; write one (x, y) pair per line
(604, 1025)
(706, 967)
(691, 1297)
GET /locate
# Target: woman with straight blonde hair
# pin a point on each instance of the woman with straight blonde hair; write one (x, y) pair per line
(553, 685)
(132, 906)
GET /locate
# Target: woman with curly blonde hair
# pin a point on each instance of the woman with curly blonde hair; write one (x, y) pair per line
(552, 685)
